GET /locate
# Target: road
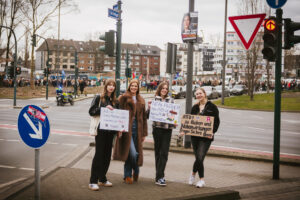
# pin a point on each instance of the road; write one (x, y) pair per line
(250, 130)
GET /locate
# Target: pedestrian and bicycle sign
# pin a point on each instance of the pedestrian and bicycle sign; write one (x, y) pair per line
(113, 13)
(247, 26)
(33, 126)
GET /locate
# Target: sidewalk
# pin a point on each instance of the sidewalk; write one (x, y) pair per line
(226, 178)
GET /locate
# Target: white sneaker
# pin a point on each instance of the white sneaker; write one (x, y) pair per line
(105, 184)
(93, 186)
(192, 179)
(200, 184)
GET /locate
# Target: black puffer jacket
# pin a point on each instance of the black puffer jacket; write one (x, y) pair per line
(210, 109)
(95, 109)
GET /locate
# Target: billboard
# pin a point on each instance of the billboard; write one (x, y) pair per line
(189, 27)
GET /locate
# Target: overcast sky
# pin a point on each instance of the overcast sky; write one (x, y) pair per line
(154, 22)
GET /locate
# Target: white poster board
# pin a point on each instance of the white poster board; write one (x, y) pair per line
(116, 119)
(164, 112)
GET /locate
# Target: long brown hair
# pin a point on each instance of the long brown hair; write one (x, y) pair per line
(134, 81)
(113, 94)
(160, 87)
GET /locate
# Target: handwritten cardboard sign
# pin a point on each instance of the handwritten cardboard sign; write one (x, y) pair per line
(164, 112)
(197, 125)
(116, 119)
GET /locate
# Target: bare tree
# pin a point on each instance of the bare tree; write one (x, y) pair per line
(3, 10)
(253, 54)
(39, 12)
(13, 19)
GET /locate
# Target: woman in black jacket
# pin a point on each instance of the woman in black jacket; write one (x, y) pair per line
(104, 138)
(201, 144)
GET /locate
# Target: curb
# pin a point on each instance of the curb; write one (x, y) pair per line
(231, 154)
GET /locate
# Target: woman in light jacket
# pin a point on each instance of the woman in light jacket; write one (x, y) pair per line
(104, 138)
(129, 146)
(162, 133)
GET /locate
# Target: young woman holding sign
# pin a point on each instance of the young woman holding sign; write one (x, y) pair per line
(201, 144)
(104, 138)
(162, 135)
(129, 146)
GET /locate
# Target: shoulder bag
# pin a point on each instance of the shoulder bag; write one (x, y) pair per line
(95, 120)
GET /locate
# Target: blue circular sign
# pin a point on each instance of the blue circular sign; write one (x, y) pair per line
(276, 3)
(33, 126)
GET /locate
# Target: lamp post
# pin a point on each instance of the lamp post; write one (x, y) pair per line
(15, 65)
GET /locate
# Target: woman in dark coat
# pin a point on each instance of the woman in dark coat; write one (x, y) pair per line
(104, 138)
(201, 144)
(129, 147)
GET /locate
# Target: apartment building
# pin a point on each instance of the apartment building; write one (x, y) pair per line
(143, 59)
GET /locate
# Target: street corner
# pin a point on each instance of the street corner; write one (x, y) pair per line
(70, 183)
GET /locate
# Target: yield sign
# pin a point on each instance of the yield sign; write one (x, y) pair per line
(246, 26)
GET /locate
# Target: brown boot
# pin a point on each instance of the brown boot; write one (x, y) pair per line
(135, 177)
(128, 180)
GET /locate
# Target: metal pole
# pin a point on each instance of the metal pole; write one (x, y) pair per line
(127, 63)
(276, 152)
(15, 65)
(47, 64)
(118, 49)
(224, 54)
(37, 174)
(76, 73)
(189, 96)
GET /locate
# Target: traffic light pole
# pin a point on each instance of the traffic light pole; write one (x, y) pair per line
(47, 65)
(277, 109)
(118, 50)
(126, 70)
(15, 65)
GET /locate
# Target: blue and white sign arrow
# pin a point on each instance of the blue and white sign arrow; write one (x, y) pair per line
(33, 126)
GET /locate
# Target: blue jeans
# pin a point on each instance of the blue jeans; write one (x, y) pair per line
(131, 162)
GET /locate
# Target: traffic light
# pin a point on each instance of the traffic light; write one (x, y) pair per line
(289, 38)
(45, 71)
(10, 71)
(109, 46)
(128, 72)
(270, 39)
(33, 40)
(18, 70)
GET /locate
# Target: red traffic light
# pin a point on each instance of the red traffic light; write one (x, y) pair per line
(270, 24)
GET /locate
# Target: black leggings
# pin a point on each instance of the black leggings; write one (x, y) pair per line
(200, 147)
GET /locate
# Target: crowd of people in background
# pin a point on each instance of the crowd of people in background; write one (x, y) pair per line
(151, 85)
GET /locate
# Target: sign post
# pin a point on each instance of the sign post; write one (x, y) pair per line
(34, 129)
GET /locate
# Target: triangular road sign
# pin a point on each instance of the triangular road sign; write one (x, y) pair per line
(247, 26)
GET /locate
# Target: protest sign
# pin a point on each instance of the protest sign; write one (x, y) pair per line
(164, 112)
(197, 125)
(116, 119)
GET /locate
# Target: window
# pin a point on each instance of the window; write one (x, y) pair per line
(65, 60)
(82, 62)
(90, 68)
(155, 58)
(72, 66)
(136, 63)
(91, 62)
(65, 53)
(81, 68)
(65, 66)
(156, 63)
(136, 57)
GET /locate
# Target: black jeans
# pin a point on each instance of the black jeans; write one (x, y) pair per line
(200, 147)
(162, 138)
(101, 161)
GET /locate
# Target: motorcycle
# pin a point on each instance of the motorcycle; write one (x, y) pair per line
(63, 97)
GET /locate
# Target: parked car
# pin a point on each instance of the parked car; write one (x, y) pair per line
(239, 90)
(178, 91)
(211, 92)
(226, 91)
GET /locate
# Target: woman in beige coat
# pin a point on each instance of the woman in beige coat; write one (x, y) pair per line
(129, 146)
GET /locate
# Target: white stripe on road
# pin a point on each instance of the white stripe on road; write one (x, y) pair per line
(7, 166)
(28, 169)
(13, 140)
